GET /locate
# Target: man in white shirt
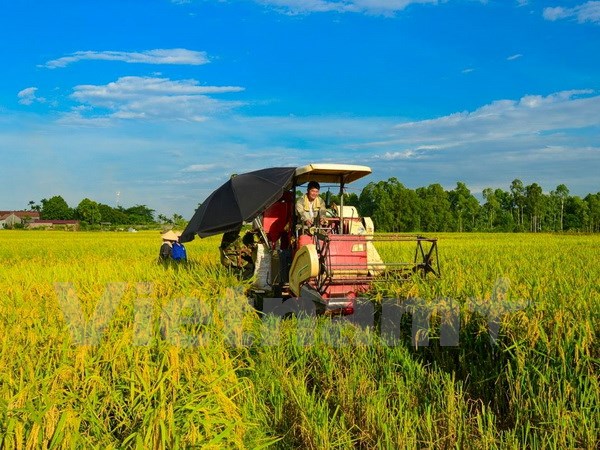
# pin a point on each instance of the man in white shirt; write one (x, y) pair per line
(310, 208)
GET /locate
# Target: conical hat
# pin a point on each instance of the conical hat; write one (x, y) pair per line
(170, 236)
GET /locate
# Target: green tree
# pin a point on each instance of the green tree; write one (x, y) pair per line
(56, 208)
(491, 206)
(562, 192)
(383, 215)
(383, 202)
(576, 213)
(534, 204)
(351, 199)
(434, 209)
(139, 215)
(505, 220)
(366, 200)
(593, 202)
(517, 190)
(473, 211)
(88, 211)
(112, 215)
(463, 204)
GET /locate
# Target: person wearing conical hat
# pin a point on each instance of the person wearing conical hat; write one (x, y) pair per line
(168, 237)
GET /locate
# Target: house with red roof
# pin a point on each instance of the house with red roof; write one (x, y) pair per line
(31, 219)
(8, 219)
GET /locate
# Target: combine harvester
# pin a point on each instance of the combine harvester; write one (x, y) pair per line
(333, 265)
(337, 262)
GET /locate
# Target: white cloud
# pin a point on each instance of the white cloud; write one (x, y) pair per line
(383, 7)
(78, 119)
(28, 95)
(157, 56)
(155, 98)
(513, 57)
(416, 152)
(504, 119)
(586, 12)
(555, 13)
(391, 156)
(199, 168)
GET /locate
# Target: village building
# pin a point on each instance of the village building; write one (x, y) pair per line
(8, 219)
(31, 219)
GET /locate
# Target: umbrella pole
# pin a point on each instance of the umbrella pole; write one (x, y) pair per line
(257, 224)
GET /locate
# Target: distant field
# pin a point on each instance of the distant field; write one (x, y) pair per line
(103, 347)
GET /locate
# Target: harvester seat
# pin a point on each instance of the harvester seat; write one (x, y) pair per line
(276, 219)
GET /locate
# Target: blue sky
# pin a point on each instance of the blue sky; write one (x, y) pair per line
(157, 102)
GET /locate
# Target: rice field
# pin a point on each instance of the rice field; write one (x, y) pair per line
(104, 348)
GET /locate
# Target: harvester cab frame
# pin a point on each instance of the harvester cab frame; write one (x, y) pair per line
(335, 264)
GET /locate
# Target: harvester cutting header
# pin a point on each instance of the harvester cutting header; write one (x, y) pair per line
(307, 248)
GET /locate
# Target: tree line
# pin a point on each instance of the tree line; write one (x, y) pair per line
(396, 208)
(91, 213)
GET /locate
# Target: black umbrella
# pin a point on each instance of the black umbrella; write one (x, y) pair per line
(240, 199)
